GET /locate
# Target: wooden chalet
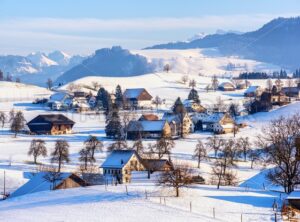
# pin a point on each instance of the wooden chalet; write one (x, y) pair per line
(192, 107)
(292, 91)
(148, 129)
(44, 181)
(137, 98)
(149, 117)
(154, 165)
(119, 164)
(179, 124)
(253, 91)
(226, 86)
(219, 123)
(53, 124)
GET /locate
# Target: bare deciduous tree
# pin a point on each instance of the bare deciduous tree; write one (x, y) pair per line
(96, 86)
(93, 144)
(2, 118)
(184, 79)
(244, 145)
(138, 146)
(157, 101)
(37, 148)
(17, 123)
(254, 156)
(167, 68)
(200, 152)
(215, 143)
(60, 153)
(86, 157)
(49, 83)
(214, 82)
(281, 145)
(164, 146)
(180, 176)
(117, 145)
(192, 83)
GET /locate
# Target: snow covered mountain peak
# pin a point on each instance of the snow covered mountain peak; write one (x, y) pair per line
(59, 57)
(41, 60)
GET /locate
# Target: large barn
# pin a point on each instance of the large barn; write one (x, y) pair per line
(53, 124)
(137, 98)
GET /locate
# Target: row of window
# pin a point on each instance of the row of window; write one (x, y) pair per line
(111, 171)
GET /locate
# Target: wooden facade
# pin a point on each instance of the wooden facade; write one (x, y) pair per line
(53, 124)
(119, 165)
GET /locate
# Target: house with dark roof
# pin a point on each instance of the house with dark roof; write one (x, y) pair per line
(53, 124)
(119, 164)
(137, 98)
(150, 117)
(292, 91)
(44, 181)
(179, 124)
(154, 165)
(148, 129)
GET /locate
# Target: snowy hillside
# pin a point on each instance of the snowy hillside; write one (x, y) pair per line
(113, 205)
(11, 91)
(205, 62)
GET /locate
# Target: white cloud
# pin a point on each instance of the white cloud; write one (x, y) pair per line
(80, 35)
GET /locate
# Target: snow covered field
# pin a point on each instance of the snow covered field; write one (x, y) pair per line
(94, 203)
(206, 62)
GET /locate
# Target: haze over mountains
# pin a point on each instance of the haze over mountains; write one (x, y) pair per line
(276, 42)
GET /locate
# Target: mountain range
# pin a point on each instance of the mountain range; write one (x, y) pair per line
(38, 64)
(276, 42)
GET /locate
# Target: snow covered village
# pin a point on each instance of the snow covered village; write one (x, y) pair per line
(157, 129)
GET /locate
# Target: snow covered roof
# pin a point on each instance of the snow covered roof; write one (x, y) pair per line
(51, 118)
(146, 125)
(294, 195)
(39, 183)
(226, 85)
(214, 118)
(59, 96)
(118, 159)
(137, 93)
(133, 93)
(252, 89)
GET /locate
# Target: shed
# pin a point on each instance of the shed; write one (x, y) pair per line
(44, 181)
(154, 165)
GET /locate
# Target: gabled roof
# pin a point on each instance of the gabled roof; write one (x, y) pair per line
(170, 117)
(155, 164)
(252, 89)
(118, 159)
(214, 118)
(150, 117)
(39, 183)
(226, 85)
(51, 118)
(137, 93)
(146, 126)
(59, 96)
(295, 195)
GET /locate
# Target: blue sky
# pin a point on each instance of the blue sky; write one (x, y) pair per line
(81, 26)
